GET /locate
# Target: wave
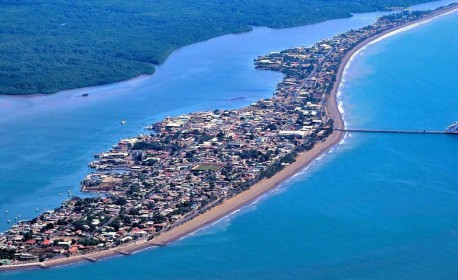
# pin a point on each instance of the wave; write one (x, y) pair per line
(360, 52)
(331, 150)
(277, 190)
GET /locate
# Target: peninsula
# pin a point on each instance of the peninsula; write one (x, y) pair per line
(193, 169)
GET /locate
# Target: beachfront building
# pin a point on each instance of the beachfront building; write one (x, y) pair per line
(187, 164)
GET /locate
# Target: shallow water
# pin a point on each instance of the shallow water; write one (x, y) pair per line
(47, 141)
(379, 206)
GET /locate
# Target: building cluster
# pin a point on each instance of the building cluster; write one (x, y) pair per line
(187, 164)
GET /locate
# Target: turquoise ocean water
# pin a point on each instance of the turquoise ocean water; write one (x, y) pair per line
(376, 207)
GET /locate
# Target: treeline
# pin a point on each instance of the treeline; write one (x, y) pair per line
(50, 45)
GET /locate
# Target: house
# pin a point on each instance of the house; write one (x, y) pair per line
(73, 250)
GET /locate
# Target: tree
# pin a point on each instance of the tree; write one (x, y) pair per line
(27, 236)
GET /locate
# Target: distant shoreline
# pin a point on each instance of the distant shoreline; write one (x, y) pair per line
(79, 90)
(255, 191)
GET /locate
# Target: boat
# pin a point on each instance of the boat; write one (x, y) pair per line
(453, 128)
(123, 122)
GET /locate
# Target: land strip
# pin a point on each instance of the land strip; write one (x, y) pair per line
(222, 205)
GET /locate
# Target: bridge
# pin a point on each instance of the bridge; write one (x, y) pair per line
(393, 131)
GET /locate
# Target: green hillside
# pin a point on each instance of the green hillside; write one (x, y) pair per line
(50, 45)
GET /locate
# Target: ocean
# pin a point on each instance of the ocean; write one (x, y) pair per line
(377, 206)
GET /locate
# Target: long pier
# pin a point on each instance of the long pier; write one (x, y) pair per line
(393, 131)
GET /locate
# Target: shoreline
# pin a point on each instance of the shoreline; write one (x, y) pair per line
(247, 197)
(141, 77)
(79, 91)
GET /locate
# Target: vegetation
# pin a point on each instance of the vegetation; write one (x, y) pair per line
(50, 45)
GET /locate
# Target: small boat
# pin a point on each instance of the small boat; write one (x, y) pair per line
(453, 128)
(6, 211)
(85, 95)
(123, 122)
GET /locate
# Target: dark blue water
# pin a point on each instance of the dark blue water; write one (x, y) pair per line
(378, 206)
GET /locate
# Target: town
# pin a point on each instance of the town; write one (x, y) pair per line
(187, 164)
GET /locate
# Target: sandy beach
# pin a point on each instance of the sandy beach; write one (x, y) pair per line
(232, 204)
(302, 161)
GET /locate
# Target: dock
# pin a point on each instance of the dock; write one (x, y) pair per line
(394, 131)
(90, 259)
(157, 244)
(125, 253)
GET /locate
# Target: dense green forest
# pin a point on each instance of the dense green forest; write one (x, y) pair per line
(49, 45)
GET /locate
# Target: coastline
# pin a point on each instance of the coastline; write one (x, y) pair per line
(255, 191)
(80, 91)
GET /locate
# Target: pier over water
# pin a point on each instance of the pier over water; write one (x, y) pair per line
(395, 131)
